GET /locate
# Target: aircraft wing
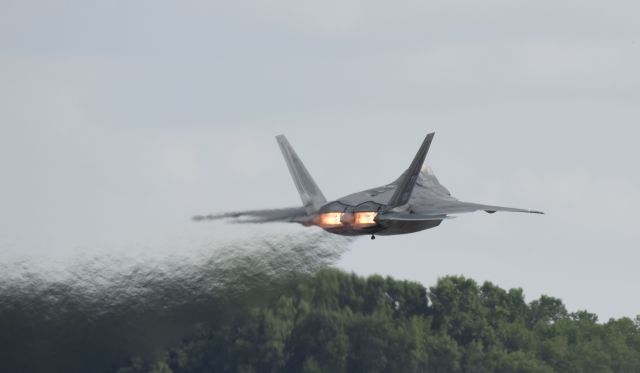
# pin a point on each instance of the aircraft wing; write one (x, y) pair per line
(458, 207)
(258, 216)
(406, 217)
(492, 209)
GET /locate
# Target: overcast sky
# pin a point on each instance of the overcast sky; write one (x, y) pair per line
(122, 119)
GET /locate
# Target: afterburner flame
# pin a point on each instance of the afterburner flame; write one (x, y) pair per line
(330, 219)
(365, 218)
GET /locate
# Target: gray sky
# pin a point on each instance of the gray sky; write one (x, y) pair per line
(120, 120)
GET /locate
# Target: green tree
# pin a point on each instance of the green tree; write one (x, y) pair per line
(337, 322)
(458, 309)
(547, 310)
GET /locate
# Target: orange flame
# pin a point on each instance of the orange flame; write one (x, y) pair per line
(330, 219)
(365, 218)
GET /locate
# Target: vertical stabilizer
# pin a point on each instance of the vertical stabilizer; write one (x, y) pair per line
(407, 181)
(311, 196)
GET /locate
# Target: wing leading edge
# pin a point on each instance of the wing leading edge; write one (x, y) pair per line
(459, 207)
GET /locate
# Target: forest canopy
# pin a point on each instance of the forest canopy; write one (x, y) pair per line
(339, 322)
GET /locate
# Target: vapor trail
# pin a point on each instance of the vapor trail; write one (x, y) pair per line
(96, 310)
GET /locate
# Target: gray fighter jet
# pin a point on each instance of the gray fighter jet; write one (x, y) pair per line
(414, 202)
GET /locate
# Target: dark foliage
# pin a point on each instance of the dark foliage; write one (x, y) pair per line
(337, 322)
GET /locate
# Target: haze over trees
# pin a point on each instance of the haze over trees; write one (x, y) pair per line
(339, 322)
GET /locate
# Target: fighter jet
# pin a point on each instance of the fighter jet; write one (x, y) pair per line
(414, 202)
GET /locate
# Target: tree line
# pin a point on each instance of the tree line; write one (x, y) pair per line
(339, 322)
